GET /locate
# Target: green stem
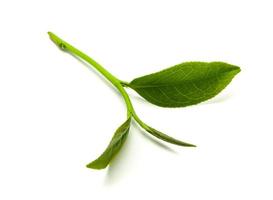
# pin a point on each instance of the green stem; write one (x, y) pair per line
(119, 86)
(116, 82)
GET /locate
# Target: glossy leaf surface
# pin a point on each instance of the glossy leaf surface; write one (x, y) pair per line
(113, 148)
(185, 84)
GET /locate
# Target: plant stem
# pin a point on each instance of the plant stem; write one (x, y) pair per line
(63, 45)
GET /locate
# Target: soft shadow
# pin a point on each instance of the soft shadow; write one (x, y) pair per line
(119, 165)
(218, 99)
(152, 138)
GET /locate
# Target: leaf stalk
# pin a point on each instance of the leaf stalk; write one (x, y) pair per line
(65, 46)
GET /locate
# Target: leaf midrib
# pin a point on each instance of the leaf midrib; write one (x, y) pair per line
(177, 84)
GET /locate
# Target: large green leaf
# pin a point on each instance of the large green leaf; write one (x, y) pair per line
(113, 148)
(185, 84)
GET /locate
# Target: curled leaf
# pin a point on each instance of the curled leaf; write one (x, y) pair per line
(113, 148)
(167, 138)
(161, 135)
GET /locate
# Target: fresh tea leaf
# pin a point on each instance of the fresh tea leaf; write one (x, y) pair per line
(167, 138)
(113, 148)
(185, 84)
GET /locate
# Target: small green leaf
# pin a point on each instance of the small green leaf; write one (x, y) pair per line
(185, 84)
(113, 148)
(166, 138)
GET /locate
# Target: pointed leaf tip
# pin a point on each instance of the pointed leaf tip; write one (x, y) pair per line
(167, 138)
(113, 148)
(185, 84)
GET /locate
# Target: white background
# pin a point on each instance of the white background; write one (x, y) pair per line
(56, 115)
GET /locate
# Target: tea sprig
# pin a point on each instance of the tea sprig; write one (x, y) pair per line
(182, 85)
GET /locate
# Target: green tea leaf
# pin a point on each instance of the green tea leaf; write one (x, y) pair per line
(166, 138)
(185, 84)
(113, 148)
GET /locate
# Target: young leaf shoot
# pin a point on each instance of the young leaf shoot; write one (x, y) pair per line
(182, 85)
